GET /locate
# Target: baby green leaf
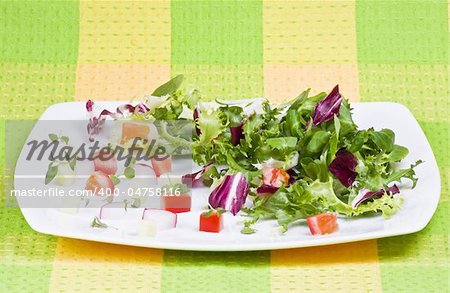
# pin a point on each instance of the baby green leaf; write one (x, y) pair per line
(53, 137)
(129, 172)
(114, 179)
(65, 139)
(169, 87)
(136, 203)
(282, 143)
(248, 230)
(97, 223)
(51, 173)
(72, 163)
(318, 142)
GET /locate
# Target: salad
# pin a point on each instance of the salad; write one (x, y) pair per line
(302, 159)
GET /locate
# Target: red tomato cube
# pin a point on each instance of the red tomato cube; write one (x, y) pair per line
(100, 183)
(131, 131)
(323, 224)
(162, 166)
(109, 166)
(177, 204)
(211, 221)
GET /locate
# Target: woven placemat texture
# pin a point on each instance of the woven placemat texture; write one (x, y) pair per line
(56, 51)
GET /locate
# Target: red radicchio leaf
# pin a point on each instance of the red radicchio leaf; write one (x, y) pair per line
(241, 195)
(365, 194)
(195, 179)
(96, 122)
(236, 134)
(196, 115)
(328, 107)
(292, 175)
(343, 167)
(230, 194)
(266, 189)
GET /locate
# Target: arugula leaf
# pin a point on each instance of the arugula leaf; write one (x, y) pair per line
(358, 141)
(315, 169)
(397, 153)
(293, 123)
(383, 139)
(334, 139)
(347, 126)
(299, 100)
(317, 143)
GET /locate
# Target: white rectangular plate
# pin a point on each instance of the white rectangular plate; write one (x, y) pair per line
(419, 206)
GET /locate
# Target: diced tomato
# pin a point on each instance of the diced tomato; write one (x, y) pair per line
(100, 183)
(162, 166)
(177, 204)
(132, 130)
(109, 166)
(323, 224)
(275, 177)
(211, 221)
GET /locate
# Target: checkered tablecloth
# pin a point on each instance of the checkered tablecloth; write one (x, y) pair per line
(57, 51)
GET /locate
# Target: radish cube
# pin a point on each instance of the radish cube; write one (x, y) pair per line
(161, 219)
(147, 228)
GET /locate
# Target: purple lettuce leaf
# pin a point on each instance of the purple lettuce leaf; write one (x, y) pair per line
(328, 107)
(236, 134)
(365, 194)
(231, 194)
(343, 167)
